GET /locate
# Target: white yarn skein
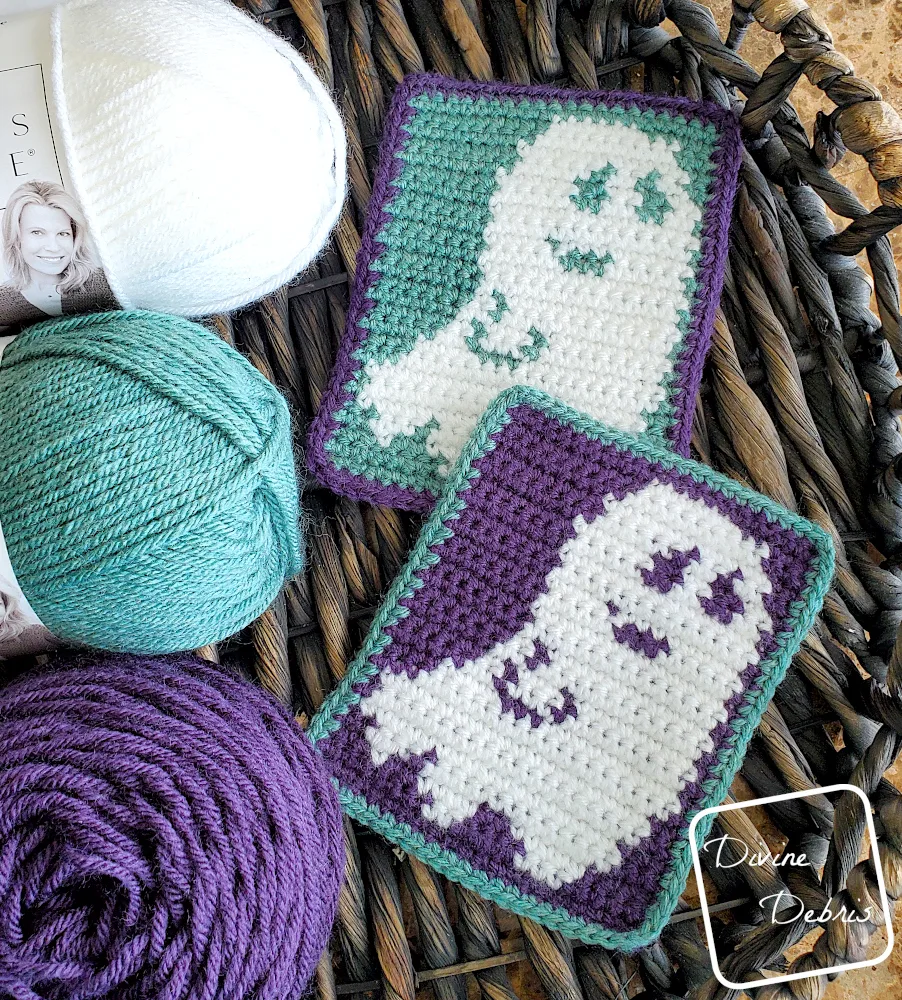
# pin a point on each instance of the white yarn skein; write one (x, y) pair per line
(206, 154)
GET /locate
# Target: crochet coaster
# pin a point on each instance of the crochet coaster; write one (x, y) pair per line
(570, 666)
(523, 235)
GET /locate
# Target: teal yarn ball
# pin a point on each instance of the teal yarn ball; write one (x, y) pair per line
(148, 494)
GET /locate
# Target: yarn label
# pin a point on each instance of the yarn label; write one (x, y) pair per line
(21, 631)
(49, 264)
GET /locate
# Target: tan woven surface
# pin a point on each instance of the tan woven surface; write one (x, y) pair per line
(800, 401)
(869, 32)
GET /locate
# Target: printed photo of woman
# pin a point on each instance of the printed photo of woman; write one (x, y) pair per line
(50, 265)
(20, 633)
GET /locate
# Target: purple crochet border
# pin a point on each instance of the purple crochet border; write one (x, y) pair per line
(714, 241)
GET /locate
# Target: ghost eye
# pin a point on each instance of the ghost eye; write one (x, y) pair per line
(654, 202)
(724, 602)
(667, 570)
(593, 189)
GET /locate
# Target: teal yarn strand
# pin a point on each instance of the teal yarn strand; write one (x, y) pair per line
(148, 494)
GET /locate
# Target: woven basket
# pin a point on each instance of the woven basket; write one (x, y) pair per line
(800, 401)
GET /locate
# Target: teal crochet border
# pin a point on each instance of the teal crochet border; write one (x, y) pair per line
(435, 532)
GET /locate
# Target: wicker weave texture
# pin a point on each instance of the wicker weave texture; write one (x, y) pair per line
(800, 401)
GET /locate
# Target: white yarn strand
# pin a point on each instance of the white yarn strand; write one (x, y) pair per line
(21, 631)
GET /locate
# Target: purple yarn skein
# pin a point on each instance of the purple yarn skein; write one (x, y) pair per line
(166, 832)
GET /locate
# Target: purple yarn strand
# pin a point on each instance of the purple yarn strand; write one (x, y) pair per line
(166, 831)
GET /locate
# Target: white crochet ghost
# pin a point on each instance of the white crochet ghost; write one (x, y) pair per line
(590, 237)
(591, 719)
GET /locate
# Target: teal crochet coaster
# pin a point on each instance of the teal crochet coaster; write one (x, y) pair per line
(571, 666)
(569, 241)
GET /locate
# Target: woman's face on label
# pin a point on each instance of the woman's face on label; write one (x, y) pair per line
(47, 238)
(12, 621)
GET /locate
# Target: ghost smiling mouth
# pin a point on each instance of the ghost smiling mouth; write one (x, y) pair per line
(550, 714)
(586, 262)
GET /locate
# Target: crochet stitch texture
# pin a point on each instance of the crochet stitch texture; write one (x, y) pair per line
(570, 666)
(569, 241)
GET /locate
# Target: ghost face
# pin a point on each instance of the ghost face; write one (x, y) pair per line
(596, 215)
(590, 721)
(591, 238)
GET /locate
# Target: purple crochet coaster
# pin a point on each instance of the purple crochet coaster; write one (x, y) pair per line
(570, 666)
(569, 241)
